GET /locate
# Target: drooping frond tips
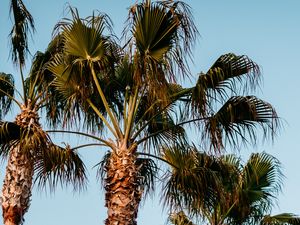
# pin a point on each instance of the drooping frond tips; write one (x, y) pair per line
(230, 74)
(8, 132)
(58, 165)
(194, 179)
(23, 24)
(237, 120)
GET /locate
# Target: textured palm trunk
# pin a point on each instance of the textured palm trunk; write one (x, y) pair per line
(16, 191)
(122, 190)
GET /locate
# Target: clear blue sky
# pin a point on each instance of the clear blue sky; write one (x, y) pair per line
(267, 31)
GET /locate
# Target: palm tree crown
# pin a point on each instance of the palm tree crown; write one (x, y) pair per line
(132, 91)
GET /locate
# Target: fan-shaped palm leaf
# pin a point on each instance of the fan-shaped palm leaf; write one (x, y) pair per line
(59, 165)
(163, 33)
(223, 76)
(237, 118)
(195, 180)
(86, 64)
(260, 182)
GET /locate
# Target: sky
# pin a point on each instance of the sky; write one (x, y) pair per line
(266, 31)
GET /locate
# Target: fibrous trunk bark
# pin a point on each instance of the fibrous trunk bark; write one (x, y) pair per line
(123, 193)
(16, 191)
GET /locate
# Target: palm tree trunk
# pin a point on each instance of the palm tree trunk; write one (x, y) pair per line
(123, 195)
(16, 191)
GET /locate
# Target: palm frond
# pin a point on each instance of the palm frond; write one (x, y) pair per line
(180, 218)
(9, 131)
(262, 177)
(86, 51)
(23, 23)
(7, 90)
(224, 76)
(238, 118)
(194, 182)
(163, 33)
(162, 130)
(40, 86)
(147, 174)
(260, 182)
(281, 219)
(56, 165)
(10, 134)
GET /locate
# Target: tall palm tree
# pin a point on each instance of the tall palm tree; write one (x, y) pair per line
(30, 151)
(248, 201)
(130, 95)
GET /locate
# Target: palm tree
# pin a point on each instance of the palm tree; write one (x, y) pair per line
(130, 96)
(29, 149)
(195, 180)
(248, 201)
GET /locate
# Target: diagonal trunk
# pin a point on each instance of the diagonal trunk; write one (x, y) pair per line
(123, 193)
(16, 191)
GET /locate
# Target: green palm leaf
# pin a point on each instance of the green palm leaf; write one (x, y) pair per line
(194, 182)
(261, 180)
(262, 177)
(86, 51)
(163, 34)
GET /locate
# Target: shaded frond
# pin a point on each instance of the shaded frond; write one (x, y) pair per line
(23, 23)
(7, 90)
(10, 134)
(238, 118)
(224, 76)
(180, 218)
(162, 130)
(9, 131)
(147, 174)
(194, 181)
(57, 165)
(281, 219)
